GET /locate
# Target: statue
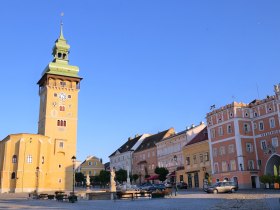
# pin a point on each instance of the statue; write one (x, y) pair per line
(112, 181)
(88, 182)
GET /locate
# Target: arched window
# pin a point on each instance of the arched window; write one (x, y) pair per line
(59, 55)
(14, 159)
(64, 123)
(61, 108)
(13, 176)
(58, 123)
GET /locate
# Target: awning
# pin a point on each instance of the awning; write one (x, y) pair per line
(152, 177)
(171, 174)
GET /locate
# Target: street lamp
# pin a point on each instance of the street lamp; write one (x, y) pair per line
(175, 159)
(73, 161)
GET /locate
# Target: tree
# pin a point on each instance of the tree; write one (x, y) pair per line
(104, 177)
(135, 177)
(121, 175)
(79, 177)
(162, 172)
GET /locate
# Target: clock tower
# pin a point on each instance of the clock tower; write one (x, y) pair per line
(58, 89)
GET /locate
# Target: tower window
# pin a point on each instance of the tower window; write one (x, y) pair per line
(29, 158)
(13, 176)
(63, 84)
(62, 108)
(14, 159)
(64, 55)
(59, 55)
(61, 123)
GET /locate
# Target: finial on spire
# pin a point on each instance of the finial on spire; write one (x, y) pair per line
(61, 26)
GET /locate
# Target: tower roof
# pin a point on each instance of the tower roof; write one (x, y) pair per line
(60, 64)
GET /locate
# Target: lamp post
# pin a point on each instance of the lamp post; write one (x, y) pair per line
(73, 161)
(175, 159)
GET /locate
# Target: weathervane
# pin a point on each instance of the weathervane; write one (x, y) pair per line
(212, 107)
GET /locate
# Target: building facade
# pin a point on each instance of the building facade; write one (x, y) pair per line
(145, 156)
(169, 150)
(42, 161)
(243, 140)
(91, 166)
(122, 157)
(197, 161)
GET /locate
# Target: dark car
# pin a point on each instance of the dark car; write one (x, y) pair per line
(182, 185)
(160, 187)
(220, 187)
(147, 186)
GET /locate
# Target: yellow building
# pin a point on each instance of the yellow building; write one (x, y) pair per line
(42, 161)
(91, 166)
(197, 163)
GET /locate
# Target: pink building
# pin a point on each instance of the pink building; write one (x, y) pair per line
(243, 140)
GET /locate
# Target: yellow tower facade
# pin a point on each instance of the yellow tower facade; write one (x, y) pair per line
(58, 90)
(43, 161)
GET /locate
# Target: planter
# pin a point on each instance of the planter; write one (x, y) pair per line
(276, 185)
(157, 195)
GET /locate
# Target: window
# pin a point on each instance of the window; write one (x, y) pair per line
(222, 150)
(249, 147)
(229, 129)
(215, 152)
(272, 123)
(255, 126)
(255, 114)
(216, 168)
(274, 142)
(231, 114)
(231, 148)
(206, 156)
(94, 163)
(250, 164)
(62, 108)
(59, 180)
(29, 158)
(13, 176)
(224, 166)
(246, 128)
(14, 159)
(63, 84)
(69, 96)
(43, 159)
(201, 158)
(59, 165)
(59, 55)
(263, 144)
(220, 130)
(246, 114)
(89, 173)
(261, 126)
(61, 123)
(89, 163)
(55, 94)
(188, 160)
(232, 165)
(61, 144)
(213, 134)
(194, 159)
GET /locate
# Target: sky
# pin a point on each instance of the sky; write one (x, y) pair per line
(147, 65)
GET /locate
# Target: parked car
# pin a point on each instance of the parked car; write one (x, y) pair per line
(182, 185)
(220, 187)
(160, 187)
(147, 186)
(168, 185)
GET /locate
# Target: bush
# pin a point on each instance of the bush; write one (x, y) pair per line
(266, 179)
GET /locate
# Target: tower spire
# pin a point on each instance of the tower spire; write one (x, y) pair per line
(61, 27)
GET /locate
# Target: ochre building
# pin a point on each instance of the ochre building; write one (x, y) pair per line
(42, 162)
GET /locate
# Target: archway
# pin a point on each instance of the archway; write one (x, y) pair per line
(273, 165)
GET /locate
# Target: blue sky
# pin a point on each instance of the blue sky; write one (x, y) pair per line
(147, 65)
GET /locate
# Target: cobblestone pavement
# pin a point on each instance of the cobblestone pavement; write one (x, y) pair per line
(241, 200)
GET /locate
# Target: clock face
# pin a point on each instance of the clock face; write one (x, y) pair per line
(62, 96)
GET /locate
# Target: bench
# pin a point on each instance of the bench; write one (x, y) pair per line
(133, 195)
